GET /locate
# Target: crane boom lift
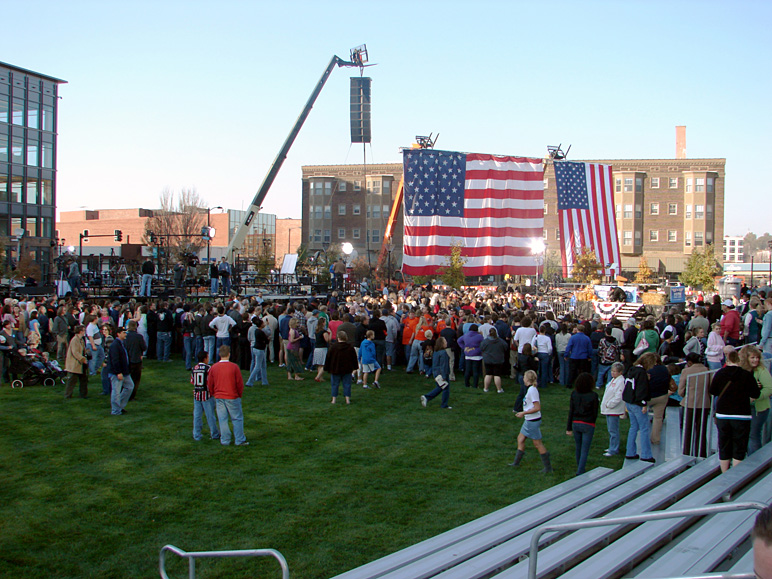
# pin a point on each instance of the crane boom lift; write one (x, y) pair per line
(254, 207)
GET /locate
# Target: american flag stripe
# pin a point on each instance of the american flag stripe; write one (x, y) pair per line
(495, 212)
(594, 227)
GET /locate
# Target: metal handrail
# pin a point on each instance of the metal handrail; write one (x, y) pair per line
(192, 556)
(591, 523)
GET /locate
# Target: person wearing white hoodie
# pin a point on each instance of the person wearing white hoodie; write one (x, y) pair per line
(613, 407)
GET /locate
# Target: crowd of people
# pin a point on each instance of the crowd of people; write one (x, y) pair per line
(641, 365)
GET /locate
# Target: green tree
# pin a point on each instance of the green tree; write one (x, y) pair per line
(452, 273)
(644, 274)
(701, 269)
(586, 266)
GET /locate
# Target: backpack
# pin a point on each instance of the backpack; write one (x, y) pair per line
(608, 352)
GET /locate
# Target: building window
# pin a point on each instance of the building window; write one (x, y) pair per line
(328, 188)
(689, 185)
(48, 118)
(638, 212)
(385, 210)
(316, 187)
(375, 236)
(317, 235)
(17, 150)
(709, 211)
(628, 212)
(32, 191)
(673, 182)
(699, 212)
(699, 185)
(376, 211)
(653, 235)
(637, 237)
(386, 187)
(327, 212)
(545, 234)
(341, 233)
(557, 234)
(367, 212)
(655, 182)
(709, 239)
(672, 209)
(318, 212)
(639, 184)
(698, 238)
(628, 184)
(3, 108)
(17, 117)
(617, 185)
(32, 116)
(341, 185)
(3, 191)
(17, 193)
(32, 153)
(355, 233)
(375, 187)
(546, 184)
(327, 236)
(711, 184)
(356, 210)
(688, 212)
(654, 208)
(618, 211)
(546, 208)
(341, 208)
(48, 191)
(357, 185)
(672, 235)
(47, 154)
(687, 238)
(627, 237)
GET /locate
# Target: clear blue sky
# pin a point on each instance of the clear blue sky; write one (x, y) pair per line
(202, 94)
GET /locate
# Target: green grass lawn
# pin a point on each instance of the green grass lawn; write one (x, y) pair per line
(87, 494)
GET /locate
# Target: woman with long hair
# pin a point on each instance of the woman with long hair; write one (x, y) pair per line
(582, 415)
(750, 360)
(294, 365)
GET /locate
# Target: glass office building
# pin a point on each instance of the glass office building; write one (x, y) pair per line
(28, 121)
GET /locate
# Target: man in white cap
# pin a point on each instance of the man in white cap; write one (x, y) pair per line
(730, 324)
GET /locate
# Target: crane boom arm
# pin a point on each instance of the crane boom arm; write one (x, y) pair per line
(254, 207)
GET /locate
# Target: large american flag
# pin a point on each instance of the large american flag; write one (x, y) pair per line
(492, 205)
(586, 213)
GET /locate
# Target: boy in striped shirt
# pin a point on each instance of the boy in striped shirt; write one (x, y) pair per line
(202, 400)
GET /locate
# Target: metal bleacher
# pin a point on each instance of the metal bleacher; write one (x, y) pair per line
(497, 545)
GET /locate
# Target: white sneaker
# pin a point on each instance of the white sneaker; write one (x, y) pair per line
(423, 401)
(359, 381)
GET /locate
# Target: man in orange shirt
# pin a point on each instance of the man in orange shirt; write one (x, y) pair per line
(408, 331)
(226, 384)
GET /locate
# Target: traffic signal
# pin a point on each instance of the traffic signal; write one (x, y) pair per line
(205, 233)
(118, 235)
(151, 237)
(85, 233)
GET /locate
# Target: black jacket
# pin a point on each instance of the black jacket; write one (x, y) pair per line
(341, 359)
(736, 398)
(118, 359)
(135, 345)
(582, 408)
(636, 386)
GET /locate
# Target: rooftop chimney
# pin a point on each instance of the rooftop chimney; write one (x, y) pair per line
(680, 142)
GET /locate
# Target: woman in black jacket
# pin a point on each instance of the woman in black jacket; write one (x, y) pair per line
(734, 388)
(582, 414)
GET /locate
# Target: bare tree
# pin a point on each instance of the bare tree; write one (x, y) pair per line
(177, 223)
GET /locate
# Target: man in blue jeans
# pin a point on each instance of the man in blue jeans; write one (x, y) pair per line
(120, 374)
(226, 384)
(164, 334)
(148, 269)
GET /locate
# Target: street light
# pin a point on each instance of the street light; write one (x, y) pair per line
(537, 248)
(289, 236)
(210, 231)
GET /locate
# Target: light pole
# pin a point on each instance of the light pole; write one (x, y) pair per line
(537, 248)
(289, 236)
(209, 237)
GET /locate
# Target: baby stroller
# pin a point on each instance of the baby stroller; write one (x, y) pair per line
(30, 370)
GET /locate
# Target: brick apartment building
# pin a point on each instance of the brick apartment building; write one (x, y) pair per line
(665, 208)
